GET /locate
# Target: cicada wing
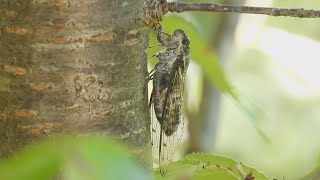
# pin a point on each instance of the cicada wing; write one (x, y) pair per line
(157, 137)
(154, 128)
(173, 122)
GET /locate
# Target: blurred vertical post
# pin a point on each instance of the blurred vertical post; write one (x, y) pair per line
(203, 124)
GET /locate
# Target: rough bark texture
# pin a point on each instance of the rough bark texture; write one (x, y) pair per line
(76, 66)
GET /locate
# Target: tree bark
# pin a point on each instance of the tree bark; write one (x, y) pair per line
(72, 66)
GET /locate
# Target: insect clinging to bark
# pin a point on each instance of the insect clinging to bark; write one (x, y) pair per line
(168, 86)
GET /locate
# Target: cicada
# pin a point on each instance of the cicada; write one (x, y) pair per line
(167, 94)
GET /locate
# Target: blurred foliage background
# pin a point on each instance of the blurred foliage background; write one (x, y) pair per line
(252, 94)
(270, 70)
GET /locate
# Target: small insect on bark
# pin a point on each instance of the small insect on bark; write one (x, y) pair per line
(167, 94)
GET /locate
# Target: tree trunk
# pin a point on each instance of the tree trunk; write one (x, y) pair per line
(72, 66)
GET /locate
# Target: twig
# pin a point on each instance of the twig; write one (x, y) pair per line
(210, 7)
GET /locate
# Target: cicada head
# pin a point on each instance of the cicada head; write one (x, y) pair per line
(181, 37)
(176, 40)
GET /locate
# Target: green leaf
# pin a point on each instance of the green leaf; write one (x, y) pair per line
(41, 161)
(73, 158)
(313, 175)
(205, 166)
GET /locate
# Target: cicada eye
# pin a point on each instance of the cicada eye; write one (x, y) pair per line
(186, 41)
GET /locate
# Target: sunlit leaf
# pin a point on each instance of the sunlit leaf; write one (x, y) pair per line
(205, 166)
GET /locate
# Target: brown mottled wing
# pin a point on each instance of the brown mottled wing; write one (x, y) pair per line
(172, 124)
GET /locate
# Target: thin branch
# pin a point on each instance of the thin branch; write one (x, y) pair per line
(210, 7)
